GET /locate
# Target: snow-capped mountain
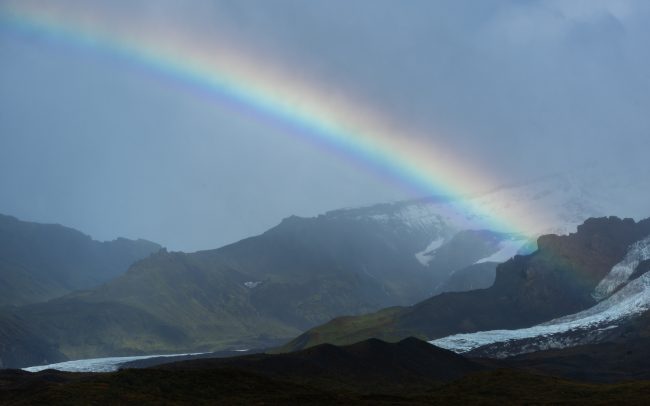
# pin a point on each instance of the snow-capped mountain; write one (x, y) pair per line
(558, 279)
(551, 205)
(562, 203)
(624, 293)
(559, 203)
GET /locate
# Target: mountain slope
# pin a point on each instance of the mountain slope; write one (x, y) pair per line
(624, 295)
(371, 363)
(556, 280)
(305, 272)
(260, 291)
(20, 346)
(42, 261)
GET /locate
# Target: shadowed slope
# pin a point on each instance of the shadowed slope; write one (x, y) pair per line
(42, 261)
(557, 279)
(371, 363)
(19, 346)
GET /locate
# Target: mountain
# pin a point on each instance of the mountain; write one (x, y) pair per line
(622, 296)
(557, 279)
(468, 261)
(305, 271)
(366, 363)
(480, 275)
(20, 346)
(42, 261)
(265, 289)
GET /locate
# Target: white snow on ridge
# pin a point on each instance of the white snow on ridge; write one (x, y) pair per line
(640, 251)
(507, 250)
(426, 255)
(631, 300)
(97, 364)
(555, 204)
(415, 215)
(558, 204)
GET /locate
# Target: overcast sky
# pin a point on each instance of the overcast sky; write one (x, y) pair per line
(520, 88)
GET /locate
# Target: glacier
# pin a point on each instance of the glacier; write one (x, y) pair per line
(621, 272)
(631, 300)
(426, 255)
(109, 364)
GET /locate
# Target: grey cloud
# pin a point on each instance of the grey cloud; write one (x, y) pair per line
(520, 88)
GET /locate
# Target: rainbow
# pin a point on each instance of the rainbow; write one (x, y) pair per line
(305, 107)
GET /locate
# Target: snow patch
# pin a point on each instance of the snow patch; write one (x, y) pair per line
(558, 204)
(620, 273)
(507, 250)
(252, 284)
(425, 256)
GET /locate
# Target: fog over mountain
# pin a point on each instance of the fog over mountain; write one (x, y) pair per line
(517, 89)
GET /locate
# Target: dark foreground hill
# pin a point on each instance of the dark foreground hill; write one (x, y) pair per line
(42, 261)
(623, 354)
(372, 364)
(236, 387)
(410, 372)
(556, 280)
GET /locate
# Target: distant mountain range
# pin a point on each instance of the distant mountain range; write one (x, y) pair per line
(39, 262)
(260, 291)
(268, 289)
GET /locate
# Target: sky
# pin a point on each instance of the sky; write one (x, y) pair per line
(516, 89)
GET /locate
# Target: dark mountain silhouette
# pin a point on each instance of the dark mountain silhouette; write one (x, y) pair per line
(472, 277)
(410, 372)
(365, 363)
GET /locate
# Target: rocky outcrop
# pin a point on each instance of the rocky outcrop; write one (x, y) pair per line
(556, 280)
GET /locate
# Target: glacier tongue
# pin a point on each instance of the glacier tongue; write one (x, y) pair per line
(426, 255)
(507, 250)
(632, 299)
(620, 273)
(108, 364)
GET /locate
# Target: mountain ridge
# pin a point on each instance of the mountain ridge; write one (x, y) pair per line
(42, 261)
(257, 292)
(555, 280)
